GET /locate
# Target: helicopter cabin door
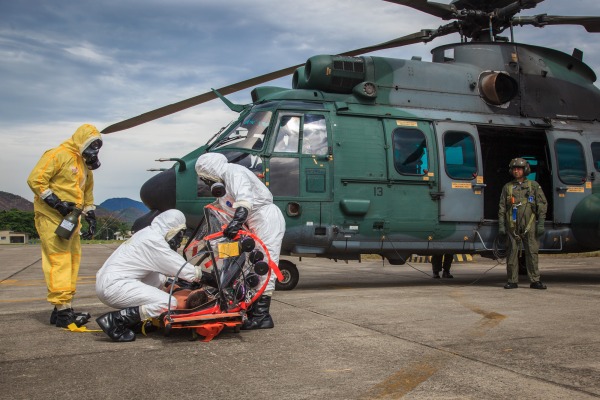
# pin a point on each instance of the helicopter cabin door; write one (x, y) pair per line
(299, 173)
(461, 172)
(570, 180)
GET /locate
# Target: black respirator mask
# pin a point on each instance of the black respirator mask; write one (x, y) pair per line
(217, 189)
(175, 242)
(90, 154)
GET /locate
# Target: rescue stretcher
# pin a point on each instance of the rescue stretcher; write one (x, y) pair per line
(238, 270)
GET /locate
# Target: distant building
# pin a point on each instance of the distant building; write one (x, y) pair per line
(10, 237)
(123, 236)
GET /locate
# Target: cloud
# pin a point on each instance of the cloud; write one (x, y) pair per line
(102, 62)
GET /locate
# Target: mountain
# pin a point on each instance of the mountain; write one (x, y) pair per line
(122, 203)
(8, 201)
(128, 215)
(123, 209)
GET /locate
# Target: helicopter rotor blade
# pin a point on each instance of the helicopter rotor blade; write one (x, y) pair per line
(591, 24)
(422, 36)
(443, 11)
(425, 35)
(194, 101)
(515, 8)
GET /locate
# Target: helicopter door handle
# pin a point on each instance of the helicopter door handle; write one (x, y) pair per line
(479, 185)
(561, 188)
(436, 195)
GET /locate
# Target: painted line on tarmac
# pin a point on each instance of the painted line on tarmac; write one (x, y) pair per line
(22, 269)
(82, 280)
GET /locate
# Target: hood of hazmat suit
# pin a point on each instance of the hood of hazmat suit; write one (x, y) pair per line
(147, 251)
(244, 189)
(62, 171)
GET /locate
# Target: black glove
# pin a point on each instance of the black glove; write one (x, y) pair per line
(539, 229)
(90, 218)
(240, 216)
(501, 231)
(63, 207)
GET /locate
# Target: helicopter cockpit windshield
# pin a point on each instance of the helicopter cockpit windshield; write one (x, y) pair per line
(248, 133)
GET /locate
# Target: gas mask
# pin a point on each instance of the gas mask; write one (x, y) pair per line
(217, 189)
(175, 242)
(90, 154)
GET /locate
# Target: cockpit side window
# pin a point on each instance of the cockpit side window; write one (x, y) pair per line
(571, 162)
(288, 135)
(248, 133)
(410, 151)
(596, 155)
(459, 155)
(314, 135)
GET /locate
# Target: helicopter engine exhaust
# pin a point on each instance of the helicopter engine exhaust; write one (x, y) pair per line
(497, 88)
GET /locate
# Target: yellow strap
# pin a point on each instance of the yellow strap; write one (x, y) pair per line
(74, 328)
(144, 325)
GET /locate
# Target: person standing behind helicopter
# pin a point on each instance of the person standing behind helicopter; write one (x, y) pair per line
(241, 194)
(522, 202)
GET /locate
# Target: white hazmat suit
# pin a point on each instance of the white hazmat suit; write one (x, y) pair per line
(135, 273)
(244, 189)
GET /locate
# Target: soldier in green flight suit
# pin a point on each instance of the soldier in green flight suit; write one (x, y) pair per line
(521, 203)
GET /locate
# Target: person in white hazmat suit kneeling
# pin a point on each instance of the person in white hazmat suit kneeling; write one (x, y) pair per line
(248, 201)
(132, 278)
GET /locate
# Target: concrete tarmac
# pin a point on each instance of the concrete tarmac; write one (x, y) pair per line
(348, 331)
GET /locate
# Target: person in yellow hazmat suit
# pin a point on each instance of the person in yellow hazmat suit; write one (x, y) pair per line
(61, 181)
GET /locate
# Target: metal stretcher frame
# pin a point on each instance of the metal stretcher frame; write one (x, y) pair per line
(210, 320)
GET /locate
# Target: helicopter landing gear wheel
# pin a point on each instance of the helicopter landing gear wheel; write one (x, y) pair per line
(290, 273)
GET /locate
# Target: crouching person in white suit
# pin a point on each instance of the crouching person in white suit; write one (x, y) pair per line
(132, 278)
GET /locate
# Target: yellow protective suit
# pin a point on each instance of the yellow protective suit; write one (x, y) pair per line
(62, 171)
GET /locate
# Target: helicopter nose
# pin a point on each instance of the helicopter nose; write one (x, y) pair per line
(158, 193)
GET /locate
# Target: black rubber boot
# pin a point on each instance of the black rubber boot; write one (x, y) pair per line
(81, 317)
(259, 318)
(66, 317)
(447, 274)
(117, 324)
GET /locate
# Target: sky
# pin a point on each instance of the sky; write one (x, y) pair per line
(69, 62)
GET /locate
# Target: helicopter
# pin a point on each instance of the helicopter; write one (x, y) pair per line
(376, 155)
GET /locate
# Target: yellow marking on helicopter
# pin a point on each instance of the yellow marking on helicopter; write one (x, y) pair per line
(588, 185)
(575, 189)
(401, 122)
(461, 185)
(479, 179)
(427, 259)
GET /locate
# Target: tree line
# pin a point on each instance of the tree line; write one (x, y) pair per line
(23, 221)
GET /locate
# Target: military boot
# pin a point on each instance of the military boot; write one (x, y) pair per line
(82, 317)
(118, 324)
(259, 317)
(64, 318)
(447, 274)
